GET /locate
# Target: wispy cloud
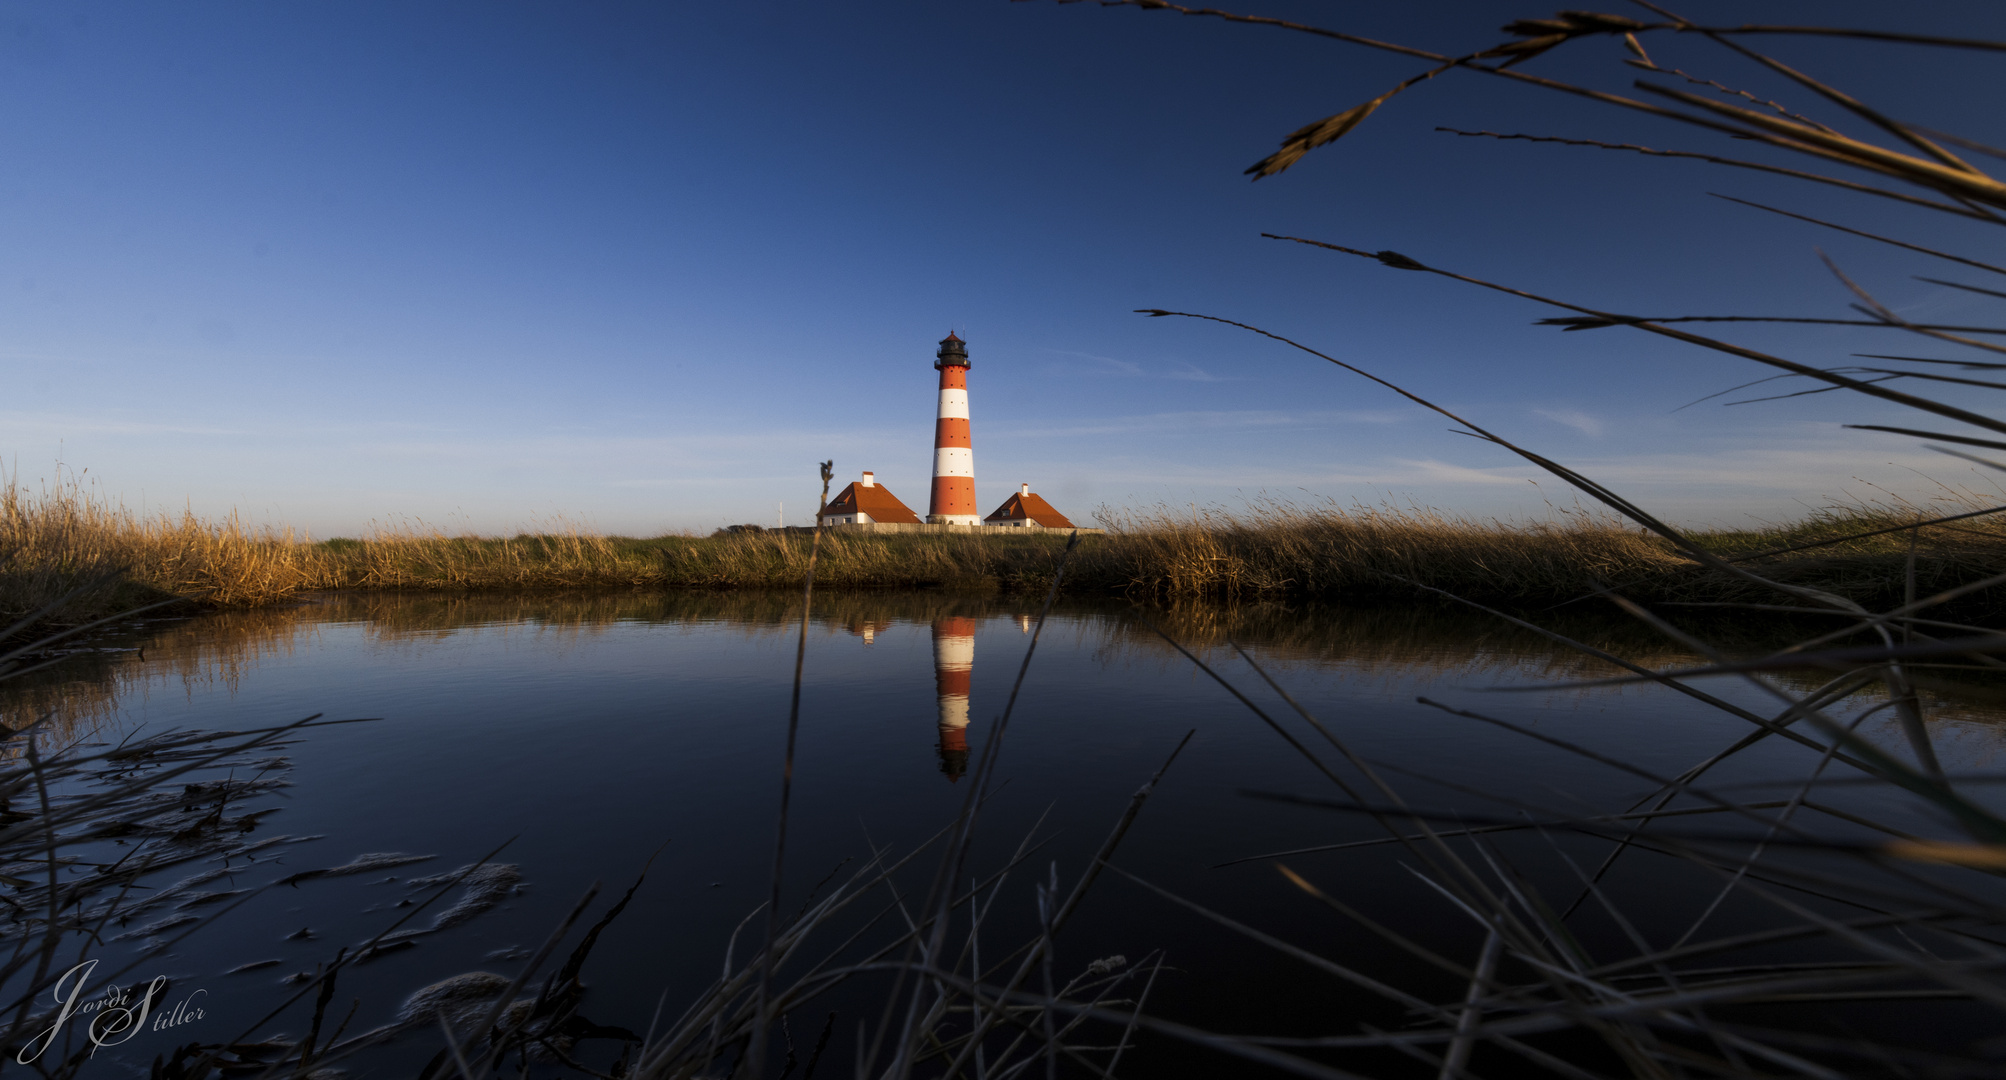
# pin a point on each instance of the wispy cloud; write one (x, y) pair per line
(1430, 471)
(1211, 420)
(62, 424)
(1096, 364)
(1192, 373)
(1574, 418)
(1705, 480)
(730, 453)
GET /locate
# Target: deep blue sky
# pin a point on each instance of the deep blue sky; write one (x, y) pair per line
(641, 265)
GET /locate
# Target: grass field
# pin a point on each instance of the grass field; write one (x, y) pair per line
(71, 556)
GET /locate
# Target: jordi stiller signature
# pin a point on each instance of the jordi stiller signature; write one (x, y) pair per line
(111, 1016)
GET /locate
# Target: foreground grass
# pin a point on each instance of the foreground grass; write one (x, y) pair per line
(73, 556)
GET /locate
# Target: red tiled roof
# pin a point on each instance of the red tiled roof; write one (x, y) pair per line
(876, 501)
(1020, 506)
(950, 337)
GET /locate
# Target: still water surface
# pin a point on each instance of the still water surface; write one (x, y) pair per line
(587, 732)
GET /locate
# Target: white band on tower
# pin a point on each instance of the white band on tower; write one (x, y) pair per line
(953, 461)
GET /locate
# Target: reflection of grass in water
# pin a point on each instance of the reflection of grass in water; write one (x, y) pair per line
(1425, 642)
(85, 691)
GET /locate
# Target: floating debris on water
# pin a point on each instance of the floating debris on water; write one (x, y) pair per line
(485, 887)
(201, 898)
(361, 864)
(461, 1001)
(384, 949)
(155, 927)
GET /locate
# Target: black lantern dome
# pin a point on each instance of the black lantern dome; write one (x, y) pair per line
(952, 351)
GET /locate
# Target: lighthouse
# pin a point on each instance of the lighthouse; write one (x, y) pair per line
(953, 500)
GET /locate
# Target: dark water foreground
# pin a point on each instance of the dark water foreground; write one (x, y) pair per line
(587, 733)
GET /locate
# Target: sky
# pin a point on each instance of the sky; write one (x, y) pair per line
(638, 267)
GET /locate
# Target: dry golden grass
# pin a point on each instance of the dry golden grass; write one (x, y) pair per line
(413, 557)
(69, 547)
(1275, 549)
(1281, 548)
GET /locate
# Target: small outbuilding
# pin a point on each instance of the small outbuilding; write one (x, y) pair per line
(1026, 510)
(864, 502)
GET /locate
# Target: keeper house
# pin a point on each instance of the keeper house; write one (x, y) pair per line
(866, 503)
(1028, 511)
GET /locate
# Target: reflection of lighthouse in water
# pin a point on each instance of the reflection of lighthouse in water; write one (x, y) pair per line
(953, 663)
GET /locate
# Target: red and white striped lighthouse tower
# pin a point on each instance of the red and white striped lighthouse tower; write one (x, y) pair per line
(953, 454)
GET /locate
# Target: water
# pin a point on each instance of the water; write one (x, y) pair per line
(584, 735)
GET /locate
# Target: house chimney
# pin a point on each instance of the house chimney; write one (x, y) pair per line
(1023, 489)
(870, 479)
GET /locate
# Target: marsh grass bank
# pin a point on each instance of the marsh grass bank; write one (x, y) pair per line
(72, 556)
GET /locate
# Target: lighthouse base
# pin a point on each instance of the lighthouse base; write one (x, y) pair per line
(953, 519)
